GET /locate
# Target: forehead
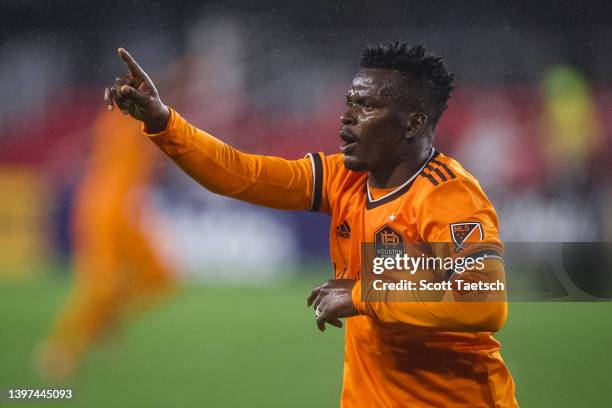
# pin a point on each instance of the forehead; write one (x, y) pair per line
(379, 82)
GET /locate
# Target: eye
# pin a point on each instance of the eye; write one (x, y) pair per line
(367, 106)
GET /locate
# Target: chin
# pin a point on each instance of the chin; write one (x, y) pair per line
(353, 163)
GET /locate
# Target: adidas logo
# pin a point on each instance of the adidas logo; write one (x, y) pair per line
(343, 230)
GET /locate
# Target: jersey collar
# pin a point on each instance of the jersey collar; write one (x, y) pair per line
(371, 203)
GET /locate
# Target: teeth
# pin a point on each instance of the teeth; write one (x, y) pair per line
(345, 145)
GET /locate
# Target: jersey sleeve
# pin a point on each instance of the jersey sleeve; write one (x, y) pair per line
(264, 180)
(457, 220)
(331, 180)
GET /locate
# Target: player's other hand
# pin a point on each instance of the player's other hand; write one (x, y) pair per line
(332, 300)
(136, 95)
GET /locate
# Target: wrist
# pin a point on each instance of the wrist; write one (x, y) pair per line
(158, 123)
(359, 305)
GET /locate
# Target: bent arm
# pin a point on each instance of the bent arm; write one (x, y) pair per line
(268, 181)
(445, 311)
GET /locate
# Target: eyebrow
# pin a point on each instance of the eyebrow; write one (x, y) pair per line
(361, 92)
(389, 91)
(359, 97)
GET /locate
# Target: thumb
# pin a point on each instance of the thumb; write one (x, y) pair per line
(135, 95)
(335, 322)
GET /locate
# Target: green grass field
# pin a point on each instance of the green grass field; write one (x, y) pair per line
(244, 346)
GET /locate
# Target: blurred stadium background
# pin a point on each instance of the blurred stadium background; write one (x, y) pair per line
(531, 119)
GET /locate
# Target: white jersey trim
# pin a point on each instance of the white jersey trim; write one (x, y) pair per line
(410, 180)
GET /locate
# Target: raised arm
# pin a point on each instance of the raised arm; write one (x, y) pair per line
(268, 181)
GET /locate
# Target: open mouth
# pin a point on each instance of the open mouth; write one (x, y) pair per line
(348, 141)
(347, 147)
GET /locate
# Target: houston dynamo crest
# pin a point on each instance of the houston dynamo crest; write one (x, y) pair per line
(388, 242)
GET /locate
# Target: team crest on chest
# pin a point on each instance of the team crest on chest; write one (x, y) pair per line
(388, 242)
(461, 231)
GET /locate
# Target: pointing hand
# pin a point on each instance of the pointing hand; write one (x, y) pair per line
(135, 94)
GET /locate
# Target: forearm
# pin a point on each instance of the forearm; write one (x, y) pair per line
(449, 310)
(268, 181)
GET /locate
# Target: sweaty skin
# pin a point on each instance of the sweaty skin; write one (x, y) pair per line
(391, 140)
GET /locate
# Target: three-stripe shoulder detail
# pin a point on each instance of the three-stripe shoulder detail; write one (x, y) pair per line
(437, 172)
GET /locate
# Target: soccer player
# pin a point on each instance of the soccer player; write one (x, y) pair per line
(389, 186)
(116, 267)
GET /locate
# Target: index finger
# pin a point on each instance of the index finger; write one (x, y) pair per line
(325, 317)
(132, 65)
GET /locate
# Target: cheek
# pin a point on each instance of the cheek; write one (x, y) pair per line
(372, 128)
(382, 133)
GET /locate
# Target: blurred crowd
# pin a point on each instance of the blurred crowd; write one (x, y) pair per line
(536, 140)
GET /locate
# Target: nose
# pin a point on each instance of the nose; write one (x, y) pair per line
(347, 118)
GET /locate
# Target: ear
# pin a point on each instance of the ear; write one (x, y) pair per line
(415, 124)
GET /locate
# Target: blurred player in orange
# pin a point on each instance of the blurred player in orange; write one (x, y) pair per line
(116, 267)
(388, 188)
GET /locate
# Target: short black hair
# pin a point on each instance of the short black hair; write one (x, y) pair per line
(427, 73)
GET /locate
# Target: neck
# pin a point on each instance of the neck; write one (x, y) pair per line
(396, 175)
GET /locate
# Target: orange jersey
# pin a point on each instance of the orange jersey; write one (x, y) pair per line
(116, 267)
(397, 354)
